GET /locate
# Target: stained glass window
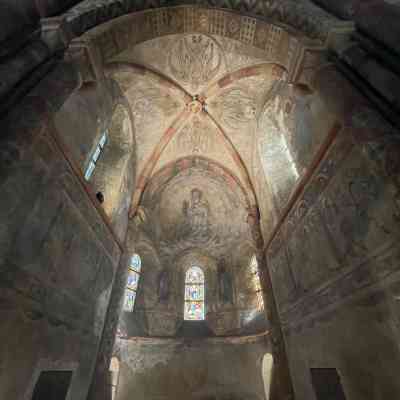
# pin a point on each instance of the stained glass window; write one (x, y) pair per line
(96, 154)
(255, 273)
(136, 263)
(132, 283)
(194, 295)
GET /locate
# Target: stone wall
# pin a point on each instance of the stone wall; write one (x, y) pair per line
(20, 18)
(332, 251)
(58, 252)
(160, 311)
(333, 258)
(202, 369)
(87, 114)
(294, 127)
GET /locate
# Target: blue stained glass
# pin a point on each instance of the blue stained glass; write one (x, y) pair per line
(133, 280)
(194, 292)
(136, 263)
(96, 154)
(194, 295)
(130, 297)
(89, 170)
(103, 140)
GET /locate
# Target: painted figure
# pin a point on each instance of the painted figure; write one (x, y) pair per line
(163, 286)
(196, 214)
(225, 284)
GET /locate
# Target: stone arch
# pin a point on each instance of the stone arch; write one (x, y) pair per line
(113, 175)
(152, 268)
(276, 40)
(162, 176)
(209, 267)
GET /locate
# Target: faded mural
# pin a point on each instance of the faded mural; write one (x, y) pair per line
(206, 90)
(195, 216)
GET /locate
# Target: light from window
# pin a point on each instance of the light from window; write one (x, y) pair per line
(255, 273)
(194, 295)
(96, 154)
(132, 283)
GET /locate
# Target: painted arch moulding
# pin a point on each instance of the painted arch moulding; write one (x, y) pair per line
(98, 46)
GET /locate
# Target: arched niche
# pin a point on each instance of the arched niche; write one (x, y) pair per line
(114, 174)
(267, 371)
(114, 377)
(275, 152)
(148, 297)
(293, 126)
(208, 265)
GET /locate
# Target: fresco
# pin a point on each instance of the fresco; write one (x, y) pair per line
(290, 135)
(344, 225)
(195, 59)
(196, 211)
(186, 98)
(195, 214)
(225, 284)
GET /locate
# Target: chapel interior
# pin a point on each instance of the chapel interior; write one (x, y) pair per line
(199, 200)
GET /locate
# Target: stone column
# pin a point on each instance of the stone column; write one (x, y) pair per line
(281, 384)
(100, 388)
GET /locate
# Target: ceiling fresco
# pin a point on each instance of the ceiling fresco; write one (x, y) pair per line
(194, 95)
(199, 137)
(194, 60)
(196, 100)
(198, 209)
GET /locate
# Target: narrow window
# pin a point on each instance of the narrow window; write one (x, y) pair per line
(255, 273)
(327, 385)
(135, 267)
(52, 385)
(95, 157)
(194, 295)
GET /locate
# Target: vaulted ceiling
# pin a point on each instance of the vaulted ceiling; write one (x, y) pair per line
(196, 100)
(197, 84)
(194, 95)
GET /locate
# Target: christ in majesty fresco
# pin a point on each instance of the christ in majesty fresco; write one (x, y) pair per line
(196, 212)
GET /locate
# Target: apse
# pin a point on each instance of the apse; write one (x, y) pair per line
(194, 217)
(195, 101)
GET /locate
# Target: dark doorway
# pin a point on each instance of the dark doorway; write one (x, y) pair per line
(52, 385)
(327, 385)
